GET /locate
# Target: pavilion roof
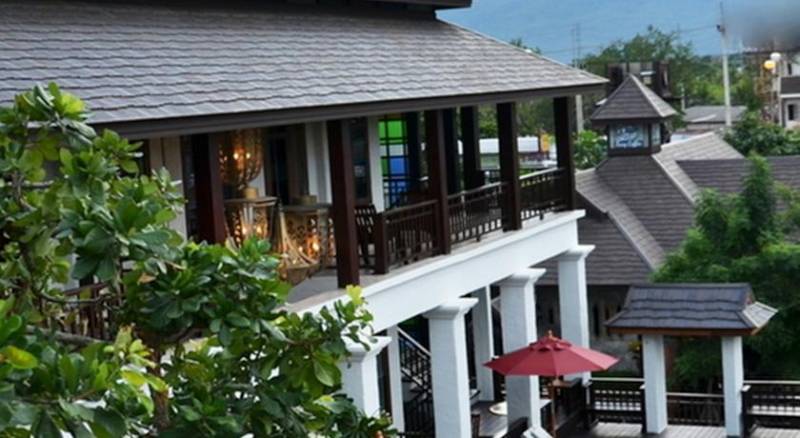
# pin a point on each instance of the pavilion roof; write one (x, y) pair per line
(691, 309)
(632, 100)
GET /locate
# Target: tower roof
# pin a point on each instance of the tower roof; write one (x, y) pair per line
(633, 100)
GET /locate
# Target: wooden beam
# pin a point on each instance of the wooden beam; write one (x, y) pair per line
(208, 186)
(451, 150)
(470, 140)
(344, 203)
(509, 164)
(414, 149)
(437, 175)
(562, 112)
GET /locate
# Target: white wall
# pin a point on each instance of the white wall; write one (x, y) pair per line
(375, 168)
(166, 153)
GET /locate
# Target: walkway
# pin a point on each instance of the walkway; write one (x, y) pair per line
(611, 430)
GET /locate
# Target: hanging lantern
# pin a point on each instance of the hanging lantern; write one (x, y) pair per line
(249, 217)
(241, 158)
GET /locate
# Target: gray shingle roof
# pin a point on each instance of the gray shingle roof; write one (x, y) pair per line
(153, 61)
(726, 175)
(790, 85)
(703, 114)
(632, 100)
(705, 308)
(644, 207)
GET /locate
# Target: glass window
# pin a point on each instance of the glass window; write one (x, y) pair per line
(394, 159)
(628, 137)
(655, 133)
(792, 111)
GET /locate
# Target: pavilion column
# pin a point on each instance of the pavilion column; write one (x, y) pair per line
(518, 313)
(451, 149)
(414, 149)
(208, 183)
(470, 141)
(375, 166)
(449, 369)
(483, 343)
(563, 115)
(344, 202)
(437, 175)
(509, 164)
(655, 383)
(360, 374)
(733, 383)
(395, 379)
(573, 299)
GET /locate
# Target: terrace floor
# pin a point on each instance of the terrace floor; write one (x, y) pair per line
(614, 430)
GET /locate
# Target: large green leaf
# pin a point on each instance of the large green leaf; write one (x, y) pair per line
(18, 358)
(108, 424)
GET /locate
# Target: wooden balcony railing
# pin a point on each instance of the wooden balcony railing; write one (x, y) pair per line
(403, 235)
(543, 192)
(85, 311)
(475, 213)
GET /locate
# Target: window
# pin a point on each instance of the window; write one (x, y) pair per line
(791, 111)
(655, 134)
(394, 159)
(628, 137)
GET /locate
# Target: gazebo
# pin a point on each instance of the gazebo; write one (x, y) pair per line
(727, 311)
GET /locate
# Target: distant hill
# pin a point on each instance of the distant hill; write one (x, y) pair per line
(548, 24)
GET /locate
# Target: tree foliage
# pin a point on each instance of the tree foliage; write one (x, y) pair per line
(754, 135)
(205, 345)
(590, 149)
(745, 238)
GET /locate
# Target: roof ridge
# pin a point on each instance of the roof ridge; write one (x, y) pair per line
(648, 94)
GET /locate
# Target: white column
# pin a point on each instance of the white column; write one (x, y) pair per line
(375, 167)
(396, 380)
(483, 342)
(360, 374)
(655, 383)
(518, 320)
(166, 153)
(449, 370)
(573, 300)
(319, 176)
(733, 382)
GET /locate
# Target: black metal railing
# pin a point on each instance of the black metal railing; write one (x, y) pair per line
(404, 235)
(696, 409)
(616, 400)
(543, 192)
(86, 311)
(772, 403)
(475, 213)
(415, 366)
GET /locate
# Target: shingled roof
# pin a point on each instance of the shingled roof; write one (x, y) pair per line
(691, 310)
(143, 60)
(632, 100)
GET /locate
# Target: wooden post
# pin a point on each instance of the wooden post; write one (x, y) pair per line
(208, 183)
(381, 244)
(437, 175)
(414, 150)
(470, 140)
(509, 164)
(344, 202)
(451, 150)
(562, 112)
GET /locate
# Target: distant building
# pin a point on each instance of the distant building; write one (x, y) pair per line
(701, 119)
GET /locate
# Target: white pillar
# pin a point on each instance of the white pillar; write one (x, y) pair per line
(573, 300)
(360, 374)
(518, 313)
(396, 380)
(317, 158)
(166, 153)
(375, 167)
(449, 370)
(733, 382)
(483, 343)
(655, 383)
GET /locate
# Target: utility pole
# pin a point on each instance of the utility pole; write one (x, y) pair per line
(726, 80)
(576, 63)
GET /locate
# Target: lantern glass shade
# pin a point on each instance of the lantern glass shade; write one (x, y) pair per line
(769, 65)
(240, 157)
(246, 217)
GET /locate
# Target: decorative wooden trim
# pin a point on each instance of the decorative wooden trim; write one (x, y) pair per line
(509, 163)
(208, 186)
(470, 140)
(344, 203)
(562, 112)
(437, 175)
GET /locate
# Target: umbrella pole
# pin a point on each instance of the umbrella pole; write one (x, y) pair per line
(551, 389)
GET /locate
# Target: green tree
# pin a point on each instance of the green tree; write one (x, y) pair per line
(590, 149)
(745, 238)
(206, 348)
(754, 135)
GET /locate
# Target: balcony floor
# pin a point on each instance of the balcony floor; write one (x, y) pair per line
(613, 430)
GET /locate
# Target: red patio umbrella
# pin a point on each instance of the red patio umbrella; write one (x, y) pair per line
(551, 357)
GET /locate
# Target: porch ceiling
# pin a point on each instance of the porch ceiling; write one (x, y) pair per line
(143, 66)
